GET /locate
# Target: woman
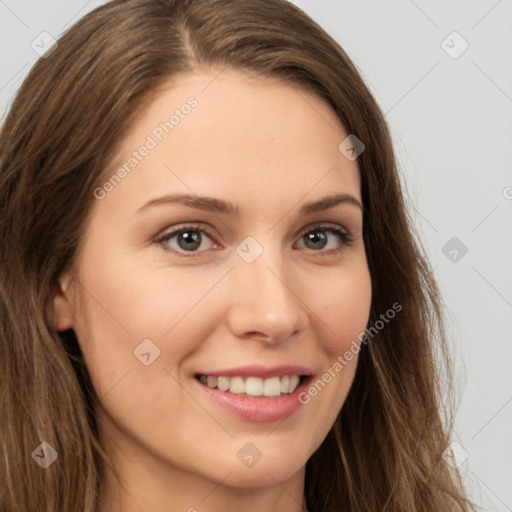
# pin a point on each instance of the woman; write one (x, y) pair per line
(211, 295)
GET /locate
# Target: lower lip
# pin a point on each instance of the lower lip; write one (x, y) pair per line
(257, 409)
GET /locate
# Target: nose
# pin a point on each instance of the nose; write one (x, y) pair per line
(265, 299)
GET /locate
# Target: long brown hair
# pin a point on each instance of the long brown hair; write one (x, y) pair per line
(384, 452)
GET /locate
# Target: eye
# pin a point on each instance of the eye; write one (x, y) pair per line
(191, 239)
(317, 238)
(188, 239)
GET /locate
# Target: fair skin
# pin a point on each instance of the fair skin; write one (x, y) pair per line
(268, 148)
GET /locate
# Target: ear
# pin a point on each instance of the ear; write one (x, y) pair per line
(62, 305)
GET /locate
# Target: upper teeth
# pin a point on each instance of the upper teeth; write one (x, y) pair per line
(253, 386)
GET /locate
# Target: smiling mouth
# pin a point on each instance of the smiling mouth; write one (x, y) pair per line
(273, 387)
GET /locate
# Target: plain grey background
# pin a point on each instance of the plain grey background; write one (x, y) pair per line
(442, 73)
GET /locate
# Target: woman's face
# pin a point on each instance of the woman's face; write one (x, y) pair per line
(251, 296)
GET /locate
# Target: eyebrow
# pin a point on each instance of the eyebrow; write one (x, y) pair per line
(213, 205)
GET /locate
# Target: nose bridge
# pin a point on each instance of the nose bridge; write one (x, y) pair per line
(264, 299)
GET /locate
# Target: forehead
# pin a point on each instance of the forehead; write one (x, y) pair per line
(218, 132)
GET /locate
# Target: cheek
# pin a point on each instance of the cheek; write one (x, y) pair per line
(128, 317)
(342, 308)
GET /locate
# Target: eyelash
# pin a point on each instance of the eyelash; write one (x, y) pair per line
(345, 237)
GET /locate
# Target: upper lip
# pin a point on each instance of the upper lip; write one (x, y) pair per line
(259, 371)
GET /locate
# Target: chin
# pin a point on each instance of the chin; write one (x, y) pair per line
(274, 466)
(261, 475)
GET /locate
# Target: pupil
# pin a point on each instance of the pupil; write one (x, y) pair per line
(319, 241)
(190, 237)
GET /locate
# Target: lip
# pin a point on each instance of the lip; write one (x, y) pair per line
(265, 372)
(257, 409)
